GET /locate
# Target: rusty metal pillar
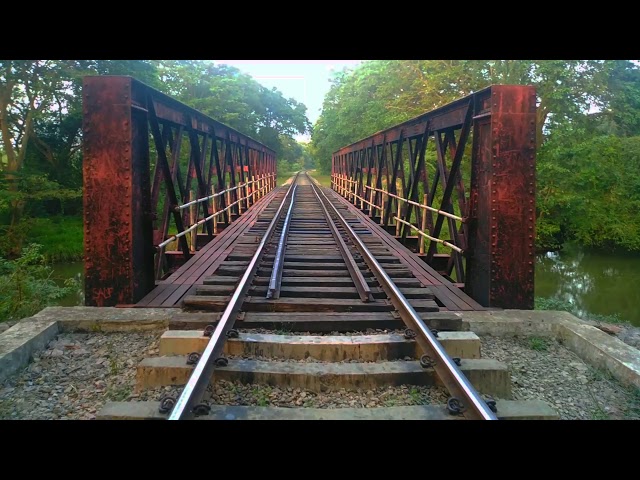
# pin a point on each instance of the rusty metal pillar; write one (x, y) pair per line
(118, 236)
(500, 268)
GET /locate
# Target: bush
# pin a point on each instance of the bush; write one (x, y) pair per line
(26, 286)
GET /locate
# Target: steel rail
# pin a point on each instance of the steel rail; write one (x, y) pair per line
(201, 376)
(452, 377)
(364, 291)
(278, 263)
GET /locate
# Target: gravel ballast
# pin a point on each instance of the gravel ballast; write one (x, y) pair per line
(78, 373)
(543, 369)
(235, 393)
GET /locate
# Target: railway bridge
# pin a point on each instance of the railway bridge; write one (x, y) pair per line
(355, 286)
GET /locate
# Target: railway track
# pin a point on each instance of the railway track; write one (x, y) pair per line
(310, 264)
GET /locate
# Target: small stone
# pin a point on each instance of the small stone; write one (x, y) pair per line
(57, 353)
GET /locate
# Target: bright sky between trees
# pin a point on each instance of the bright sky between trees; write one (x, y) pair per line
(306, 81)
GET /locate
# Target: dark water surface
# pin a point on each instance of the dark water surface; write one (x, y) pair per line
(594, 282)
(62, 271)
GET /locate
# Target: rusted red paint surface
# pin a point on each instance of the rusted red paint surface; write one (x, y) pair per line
(498, 241)
(121, 205)
(108, 191)
(504, 235)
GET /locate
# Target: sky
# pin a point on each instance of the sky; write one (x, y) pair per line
(306, 81)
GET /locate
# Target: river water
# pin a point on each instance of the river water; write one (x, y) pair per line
(593, 282)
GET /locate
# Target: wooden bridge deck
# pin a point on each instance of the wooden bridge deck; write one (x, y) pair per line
(171, 291)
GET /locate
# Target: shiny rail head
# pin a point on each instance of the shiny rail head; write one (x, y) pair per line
(273, 292)
(446, 365)
(196, 385)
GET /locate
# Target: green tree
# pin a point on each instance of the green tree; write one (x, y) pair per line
(583, 108)
(26, 285)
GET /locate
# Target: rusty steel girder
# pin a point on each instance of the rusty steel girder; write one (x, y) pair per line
(125, 215)
(497, 236)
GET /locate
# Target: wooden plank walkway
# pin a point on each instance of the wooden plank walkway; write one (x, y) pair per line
(207, 261)
(446, 292)
(169, 292)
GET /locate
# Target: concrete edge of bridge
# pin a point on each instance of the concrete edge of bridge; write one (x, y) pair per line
(20, 342)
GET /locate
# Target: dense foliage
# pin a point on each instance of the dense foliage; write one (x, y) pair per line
(26, 285)
(588, 141)
(41, 120)
(588, 132)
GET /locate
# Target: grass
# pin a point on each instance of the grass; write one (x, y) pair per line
(321, 178)
(119, 394)
(261, 396)
(61, 238)
(283, 330)
(538, 344)
(283, 177)
(414, 393)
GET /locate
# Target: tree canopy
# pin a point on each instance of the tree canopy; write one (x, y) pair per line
(41, 120)
(585, 111)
